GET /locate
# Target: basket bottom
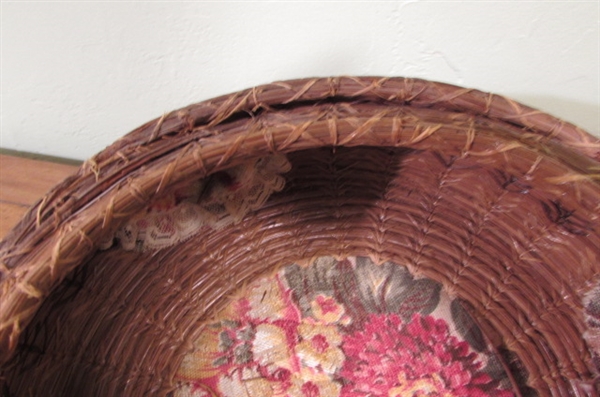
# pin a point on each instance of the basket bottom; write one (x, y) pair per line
(345, 327)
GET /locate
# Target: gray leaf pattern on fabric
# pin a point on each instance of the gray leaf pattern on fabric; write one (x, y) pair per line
(363, 288)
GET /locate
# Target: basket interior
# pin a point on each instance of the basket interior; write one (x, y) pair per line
(504, 222)
(132, 315)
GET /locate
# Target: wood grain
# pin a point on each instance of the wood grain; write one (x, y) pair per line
(10, 214)
(24, 181)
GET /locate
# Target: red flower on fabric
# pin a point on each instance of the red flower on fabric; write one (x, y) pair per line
(389, 358)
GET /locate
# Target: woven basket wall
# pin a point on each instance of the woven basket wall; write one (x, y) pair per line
(497, 202)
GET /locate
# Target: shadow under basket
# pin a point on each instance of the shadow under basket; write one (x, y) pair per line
(320, 237)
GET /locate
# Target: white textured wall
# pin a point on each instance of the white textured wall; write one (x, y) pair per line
(78, 75)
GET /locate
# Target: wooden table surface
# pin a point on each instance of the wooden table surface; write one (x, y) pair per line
(23, 181)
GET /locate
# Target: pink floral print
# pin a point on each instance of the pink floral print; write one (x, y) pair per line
(328, 339)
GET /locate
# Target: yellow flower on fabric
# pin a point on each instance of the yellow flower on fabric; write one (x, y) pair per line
(195, 390)
(270, 347)
(247, 384)
(319, 347)
(310, 383)
(327, 309)
(200, 363)
(424, 387)
(266, 300)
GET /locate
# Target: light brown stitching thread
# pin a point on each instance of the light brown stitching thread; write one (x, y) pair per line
(228, 108)
(584, 145)
(167, 175)
(516, 107)
(158, 126)
(302, 91)
(452, 95)
(396, 134)
(137, 192)
(524, 116)
(405, 89)
(569, 178)
(282, 84)
(426, 133)
(92, 166)
(500, 149)
(556, 128)
(10, 254)
(371, 88)
(57, 258)
(257, 104)
(363, 129)
(40, 209)
(233, 149)
(188, 121)
(123, 156)
(294, 135)
(471, 132)
(29, 289)
(333, 85)
(199, 160)
(268, 137)
(333, 132)
(108, 213)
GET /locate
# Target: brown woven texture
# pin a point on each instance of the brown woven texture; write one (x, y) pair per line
(497, 201)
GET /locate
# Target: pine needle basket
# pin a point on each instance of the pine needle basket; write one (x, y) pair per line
(497, 202)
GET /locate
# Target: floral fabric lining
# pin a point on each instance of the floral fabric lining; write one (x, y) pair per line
(221, 199)
(346, 328)
(591, 302)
